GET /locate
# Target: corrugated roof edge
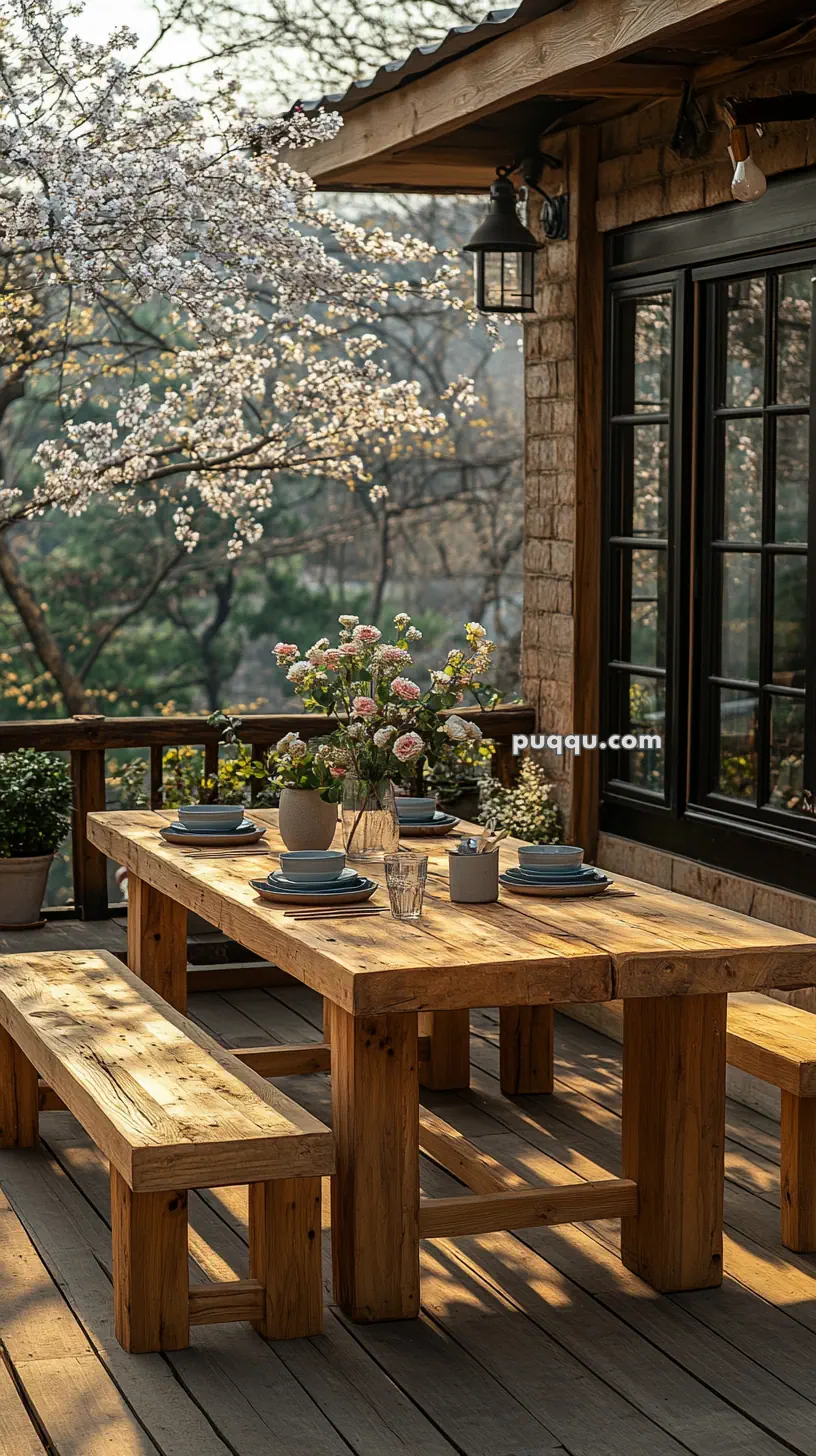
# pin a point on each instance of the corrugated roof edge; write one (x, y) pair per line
(423, 59)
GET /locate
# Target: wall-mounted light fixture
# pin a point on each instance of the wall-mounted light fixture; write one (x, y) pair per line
(503, 247)
(749, 182)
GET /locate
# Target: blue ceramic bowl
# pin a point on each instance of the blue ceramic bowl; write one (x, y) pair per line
(211, 816)
(550, 857)
(310, 866)
(416, 810)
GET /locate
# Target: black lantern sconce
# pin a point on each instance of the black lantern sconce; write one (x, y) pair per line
(504, 249)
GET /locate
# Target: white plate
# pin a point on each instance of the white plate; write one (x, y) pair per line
(249, 837)
(289, 897)
(552, 892)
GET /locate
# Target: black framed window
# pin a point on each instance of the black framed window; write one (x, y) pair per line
(709, 503)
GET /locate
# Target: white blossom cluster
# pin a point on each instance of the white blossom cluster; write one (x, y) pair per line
(113, 187)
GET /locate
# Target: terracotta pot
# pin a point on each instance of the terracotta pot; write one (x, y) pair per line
(22, 888)
(305, 820)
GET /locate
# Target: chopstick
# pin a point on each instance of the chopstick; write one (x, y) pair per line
(229, 853)
(338, 914)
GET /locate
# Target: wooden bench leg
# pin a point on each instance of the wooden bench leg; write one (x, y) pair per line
(157, 941)
(798, 1173)
(525, 1049)
(151, 1286)
(285, 1247)
(674, 1139)
(448, 1066)
(375, 1192)
(19, 1097)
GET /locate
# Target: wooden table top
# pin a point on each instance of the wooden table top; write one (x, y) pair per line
(635, 940)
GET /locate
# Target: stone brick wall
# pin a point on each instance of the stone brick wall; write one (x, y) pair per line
(638, 178)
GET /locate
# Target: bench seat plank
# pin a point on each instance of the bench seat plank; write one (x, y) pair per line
(168, 1106)
(773, 1041)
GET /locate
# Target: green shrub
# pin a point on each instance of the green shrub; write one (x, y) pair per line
(35, 802)
(525, 810)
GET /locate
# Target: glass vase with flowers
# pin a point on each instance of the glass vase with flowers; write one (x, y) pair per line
(390, 728)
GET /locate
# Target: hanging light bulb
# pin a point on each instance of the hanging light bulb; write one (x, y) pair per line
(749, 182)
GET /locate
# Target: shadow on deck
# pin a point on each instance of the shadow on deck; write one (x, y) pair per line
(528, 1343)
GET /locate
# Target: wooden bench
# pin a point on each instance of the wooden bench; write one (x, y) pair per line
(171, 1110)
(776, 1043)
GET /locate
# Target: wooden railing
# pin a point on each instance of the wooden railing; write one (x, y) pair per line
(89, 737)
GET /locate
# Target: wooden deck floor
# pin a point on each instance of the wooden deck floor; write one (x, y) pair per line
(529, 1343)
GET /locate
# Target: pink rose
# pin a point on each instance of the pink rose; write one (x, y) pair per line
(402, 687)
(349, 649)
(368, 635)
(338, 771)
(391, 655)
(364, 707)
(285, 652)
(409, 746)
(332, 659)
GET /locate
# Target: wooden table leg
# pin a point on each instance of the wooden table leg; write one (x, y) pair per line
(151, 1286)
(375, 1191)
(157, 941)
(526, 1049)
(19, 1097)
(674, 1139)
(448, 1066)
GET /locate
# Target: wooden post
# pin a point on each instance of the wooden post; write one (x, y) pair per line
(526, 1049)
(375, 1191)
(90, 865)
(157, 941)
(589, 306)
(798, 1173)
(285, 1248)
(150, 1279)
(448, 1065)
(156, 775)
(674, 1139)
(19, 1097)
(210, 796)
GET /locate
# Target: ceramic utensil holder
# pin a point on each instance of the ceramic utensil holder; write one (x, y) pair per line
(474, 878)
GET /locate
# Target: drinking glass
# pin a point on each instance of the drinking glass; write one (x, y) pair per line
(405, 876)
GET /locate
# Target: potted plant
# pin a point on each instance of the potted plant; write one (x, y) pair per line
(35, 815)
(310, 790)
(390, 728)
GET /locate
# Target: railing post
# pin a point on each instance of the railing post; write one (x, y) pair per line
(156, 775)
(90, 865)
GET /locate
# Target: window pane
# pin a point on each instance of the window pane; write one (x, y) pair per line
(645, 465)
(740, 615)
(792, 457)
(793, 337)
(651, 325)
(742, 480)
(789, 633)
(644, 766)
(787, 752)
(738, 735)
(745, 343)
(643, 615)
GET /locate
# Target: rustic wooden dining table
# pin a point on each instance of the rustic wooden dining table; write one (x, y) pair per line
(396, 999)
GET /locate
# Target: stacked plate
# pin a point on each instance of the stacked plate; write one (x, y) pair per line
(421, 817)
(212, 824)
(318, 877)
(554, 870)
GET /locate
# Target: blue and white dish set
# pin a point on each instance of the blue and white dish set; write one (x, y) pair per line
(421, 817)
(314, 877)
(213, 824)
(553, 871)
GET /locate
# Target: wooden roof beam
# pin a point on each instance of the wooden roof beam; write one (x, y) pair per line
(542, 58)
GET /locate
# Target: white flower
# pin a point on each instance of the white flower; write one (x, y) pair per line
(413, 635)
(298, 672)
(402, 621)
(474, 732)
(383, 736)
(456, 728)
(408, 747)
(348, 622)
(298, 750)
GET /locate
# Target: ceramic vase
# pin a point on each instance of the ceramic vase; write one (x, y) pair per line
(305, 820)
(370, 824)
